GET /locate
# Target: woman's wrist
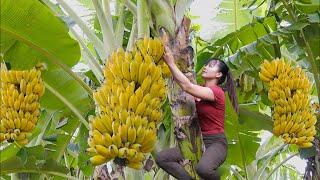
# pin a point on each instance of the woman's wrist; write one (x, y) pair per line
(170, 63)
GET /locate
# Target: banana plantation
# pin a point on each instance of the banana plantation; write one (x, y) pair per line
(86, 91)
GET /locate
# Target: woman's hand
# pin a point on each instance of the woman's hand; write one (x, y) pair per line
(168, 55)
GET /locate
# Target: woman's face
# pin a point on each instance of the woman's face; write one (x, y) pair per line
(211, 71)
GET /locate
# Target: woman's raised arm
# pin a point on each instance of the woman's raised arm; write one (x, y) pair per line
(193, 89)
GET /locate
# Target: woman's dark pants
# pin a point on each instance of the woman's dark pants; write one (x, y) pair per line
(214, 155)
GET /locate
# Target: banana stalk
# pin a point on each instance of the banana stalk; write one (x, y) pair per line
(133, 35)
(143, 19)
(163, 14)
(183, 109)
(107, 12)
(89, 33)
(106, 28)
(93, 63)
(120, 25)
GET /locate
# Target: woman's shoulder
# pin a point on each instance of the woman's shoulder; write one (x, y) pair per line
(216, 89)
(218, 93)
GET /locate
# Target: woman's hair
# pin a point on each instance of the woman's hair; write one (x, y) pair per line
(230, 86)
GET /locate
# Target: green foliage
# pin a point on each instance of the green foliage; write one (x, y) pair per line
(242, 141)
(33, 160)
(29, 39)
(254, 30)
(25, 21)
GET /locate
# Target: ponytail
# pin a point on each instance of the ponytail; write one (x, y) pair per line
(230, 87)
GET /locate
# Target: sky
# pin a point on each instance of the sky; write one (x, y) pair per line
(205, 10)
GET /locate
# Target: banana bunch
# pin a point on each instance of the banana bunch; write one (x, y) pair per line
(128, 105)
(289, 88)
(155, 49)
(20, 92)
(316, 108)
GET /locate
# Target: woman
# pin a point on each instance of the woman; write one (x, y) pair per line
(210, 104)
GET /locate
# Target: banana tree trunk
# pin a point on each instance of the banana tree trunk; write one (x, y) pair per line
(182, 104)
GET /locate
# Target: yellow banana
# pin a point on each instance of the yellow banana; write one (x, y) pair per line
(141, 107)
(17, 123)
(129, 121)
(123, 115)
(13, 136)
(2, 137)
(137, 121)
(138, 158)
(159, 51)
(148, 59)
(138, 58)
(274, 67)
(142, 72)
(311, 132)
(135, 165)
(128, 56)
(107, 139)
(140, 135)
(98, 160)
(148, 146)
(23, 123)
(99, 125)
(312, 120)
(130, 89)
(276, 130)
(91, 151)
(310, 138)
(123, 100)
(116, 139)
(132, 153)
(106, 121)
(126, 70)
(97, 137)
(9, 123)
(134, 70)
(165, 69)
(109, 75)
(282, 127)
(139, 94)
(266, 73)
(101, 150)
(152, 125)
(280, 68)
(294, 128)
(156, 115)
(123, 152)
(135, 146)
(115, 126)
(144, 121)
(162, 93)
(133, 103)
(306, 145)
(293, 140)
(23, 142)
(23, 135)
(123, 131)
(147, 98)
(113, 150)
(141, 47)
(132, 134)
(23, 86)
